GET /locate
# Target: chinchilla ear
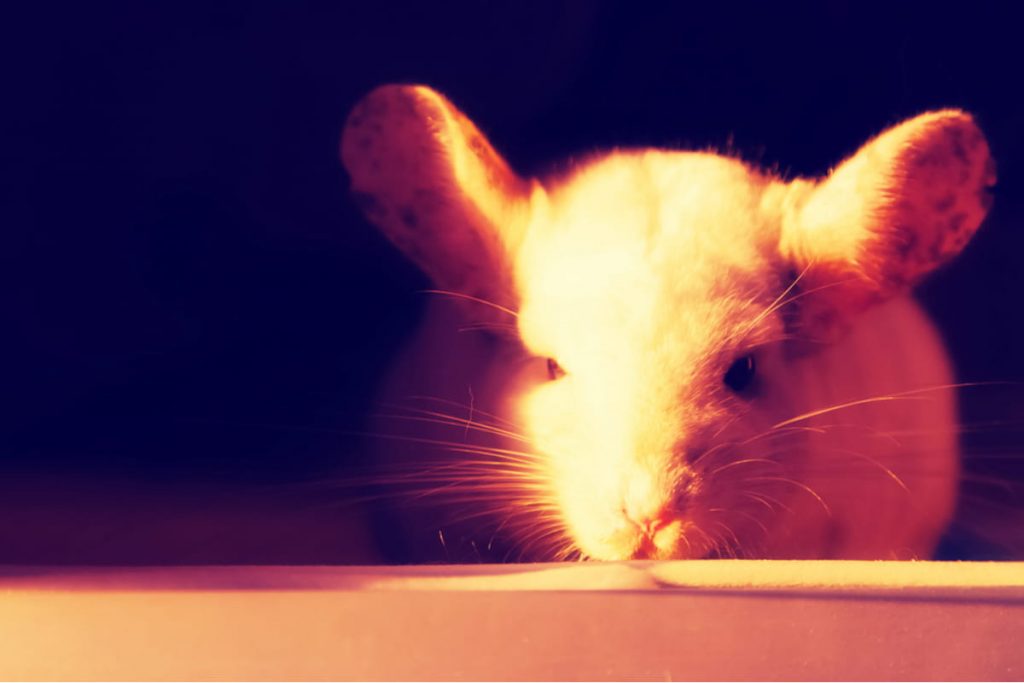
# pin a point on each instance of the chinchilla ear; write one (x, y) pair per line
(426, 176)
(905, 203)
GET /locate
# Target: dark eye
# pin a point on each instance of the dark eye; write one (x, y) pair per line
(554, 369)
(740, 374)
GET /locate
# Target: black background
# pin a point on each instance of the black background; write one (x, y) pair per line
(195, 315)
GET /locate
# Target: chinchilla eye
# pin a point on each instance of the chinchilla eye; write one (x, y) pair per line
(554, 369)
(740, 374)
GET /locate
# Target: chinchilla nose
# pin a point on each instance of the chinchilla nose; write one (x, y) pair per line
(651, 526)
(656, 532)
(653, 520)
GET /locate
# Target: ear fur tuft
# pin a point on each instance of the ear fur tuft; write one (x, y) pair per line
(904, 204)
(424, 174)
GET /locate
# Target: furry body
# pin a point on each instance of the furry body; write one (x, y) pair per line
(693, 358)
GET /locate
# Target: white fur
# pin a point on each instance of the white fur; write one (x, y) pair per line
(645, 275)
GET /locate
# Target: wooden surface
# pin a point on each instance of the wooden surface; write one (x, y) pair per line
(654, 621)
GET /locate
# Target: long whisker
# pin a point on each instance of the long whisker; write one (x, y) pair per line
(808, 292)
(909, 394)
(451, 421)
(755, 520)
(912, 394)
(712, 543)
(454, 404)
(745, 329)
(475, 299)
(458, 446)
(744, 461)
(800, 485)
(489, 327)
(874, 461)
(763, 500)
(842, 406)
(779, 301)
(732, 534)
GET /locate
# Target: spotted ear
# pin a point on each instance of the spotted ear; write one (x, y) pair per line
(424, 174)
(908, 201)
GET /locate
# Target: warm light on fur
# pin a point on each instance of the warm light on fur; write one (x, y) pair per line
(645, 274)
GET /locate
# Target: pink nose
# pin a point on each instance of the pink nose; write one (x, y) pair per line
(651, 526)
(650, 523)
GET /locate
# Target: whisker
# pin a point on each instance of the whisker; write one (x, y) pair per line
(732, 534)
(725, 425)
(798, 484)
(712, 543)
(734, 463)
(874, 461)
(761, 499)
(914, 394)
(775, 304)
(902, 395)
(454, 404)
(457, 446)
(689, 546)
(842, 406)
(753, 519)
(450, 421)
(475, 299)
(505, 331)
(543, 536)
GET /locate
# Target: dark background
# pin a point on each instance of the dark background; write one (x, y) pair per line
(195, 315)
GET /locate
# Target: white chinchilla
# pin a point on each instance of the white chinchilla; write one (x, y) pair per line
(667, 354)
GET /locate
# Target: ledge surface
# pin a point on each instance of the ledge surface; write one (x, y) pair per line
(709, 620)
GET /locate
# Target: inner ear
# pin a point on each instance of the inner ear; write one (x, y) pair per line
(907, 202)
(429, 179)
